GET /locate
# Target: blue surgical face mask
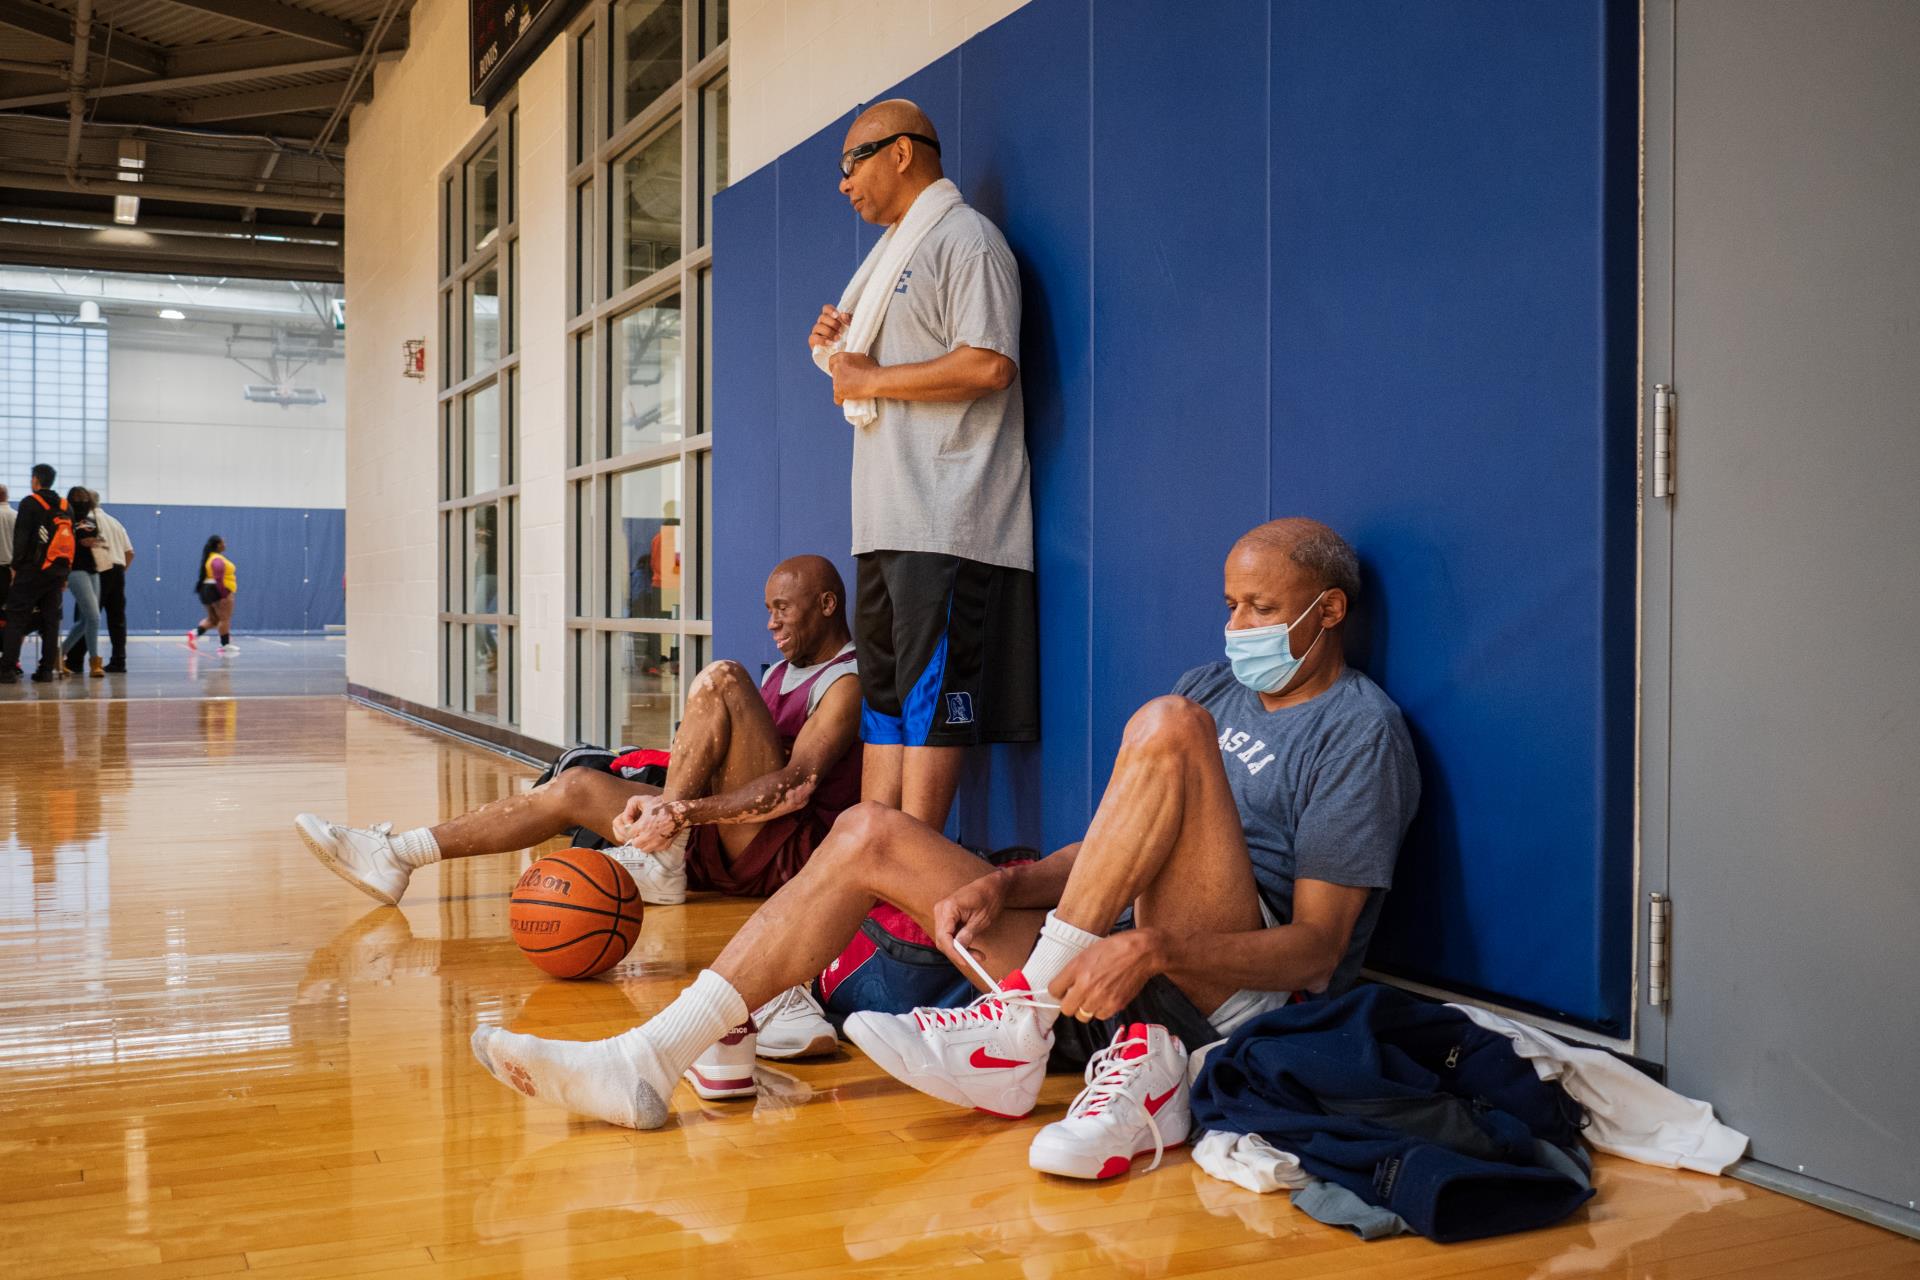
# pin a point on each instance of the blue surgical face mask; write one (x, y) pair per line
(1262, 657)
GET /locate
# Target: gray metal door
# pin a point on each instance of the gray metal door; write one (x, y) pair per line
(1793, 780)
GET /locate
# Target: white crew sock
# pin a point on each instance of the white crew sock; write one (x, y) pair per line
(625, 1079)
(1059, 943)
(416, 848)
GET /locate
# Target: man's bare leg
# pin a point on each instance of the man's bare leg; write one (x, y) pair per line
(929, 777)
(1166, 838)
(577, 798)
(919, 781)
(873, 852)
(726, 740)
(880, 778)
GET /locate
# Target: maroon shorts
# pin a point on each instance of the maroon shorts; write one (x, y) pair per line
(775, 855)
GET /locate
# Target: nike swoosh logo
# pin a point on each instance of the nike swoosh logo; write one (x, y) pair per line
(984, 1060)
(1154, 1104)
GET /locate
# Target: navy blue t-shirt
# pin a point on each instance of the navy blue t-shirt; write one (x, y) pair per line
(1325, 789)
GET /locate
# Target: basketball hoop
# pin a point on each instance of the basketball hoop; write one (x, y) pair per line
(413, 352)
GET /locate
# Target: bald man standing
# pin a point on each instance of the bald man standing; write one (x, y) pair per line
(924, 354)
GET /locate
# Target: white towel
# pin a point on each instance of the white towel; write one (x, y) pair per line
(1628, 1114)
(1250, 1161)
(871, 289)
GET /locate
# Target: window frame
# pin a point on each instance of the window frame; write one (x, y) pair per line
(594, 310)
(460, 382)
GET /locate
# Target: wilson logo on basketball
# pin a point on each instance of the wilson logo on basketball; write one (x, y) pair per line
(536, 926)
(537, 879)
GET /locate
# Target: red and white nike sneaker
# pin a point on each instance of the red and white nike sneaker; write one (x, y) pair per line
(725, 1070)
(1135, 1102)
(990, 1055)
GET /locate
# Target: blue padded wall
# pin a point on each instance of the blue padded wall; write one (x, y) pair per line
(1369, 262)
(290, 564)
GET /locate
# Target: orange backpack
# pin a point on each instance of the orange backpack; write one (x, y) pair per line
(60, 545)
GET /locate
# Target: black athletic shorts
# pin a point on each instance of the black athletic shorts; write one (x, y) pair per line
(948, 650)
(1075, 1042)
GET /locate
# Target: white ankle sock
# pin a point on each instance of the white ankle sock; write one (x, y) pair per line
(416, 848)
(627, 1078)
(1059, 943)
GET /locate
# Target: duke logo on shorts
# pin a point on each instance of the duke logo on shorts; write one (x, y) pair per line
(959, 708)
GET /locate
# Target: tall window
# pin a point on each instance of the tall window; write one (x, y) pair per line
(649, 151)
(53, 399)
(479, 421)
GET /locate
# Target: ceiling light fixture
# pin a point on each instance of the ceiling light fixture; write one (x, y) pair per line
(126, 210)
(90, 313)
(171, 313)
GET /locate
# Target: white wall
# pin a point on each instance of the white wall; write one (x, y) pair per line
(180, 431)
(796, 65)
(417, 123)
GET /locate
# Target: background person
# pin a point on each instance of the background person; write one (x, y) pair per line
(216, 587)
(42, 558)
(942, 515)
(7, 517)
(83, 640)
(113, 556)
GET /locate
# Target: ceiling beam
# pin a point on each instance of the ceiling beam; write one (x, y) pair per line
(176, 190)
(262, 51)
(268, 102)
(159, 113)
(215, 228)
(201, 80)
(57, 27)
(134, 248)
(275, 15)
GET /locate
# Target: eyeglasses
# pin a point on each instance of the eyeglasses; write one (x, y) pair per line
(852, 156)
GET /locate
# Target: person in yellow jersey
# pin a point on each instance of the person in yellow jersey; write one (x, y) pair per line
(216, 586)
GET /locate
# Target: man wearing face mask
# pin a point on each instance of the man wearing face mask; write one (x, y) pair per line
(1247, 836)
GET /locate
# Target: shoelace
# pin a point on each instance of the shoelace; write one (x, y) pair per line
(986, 1008)
(1108, 1075)
(778, 1005)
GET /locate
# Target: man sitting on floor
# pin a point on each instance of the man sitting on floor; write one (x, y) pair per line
(1251, 823)
(754, 784)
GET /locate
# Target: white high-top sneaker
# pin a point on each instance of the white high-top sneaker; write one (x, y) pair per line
(725, 1070)
(1135, 1102)
(792, 1025)
(662, 875)
(362, 856)
(990, 1055)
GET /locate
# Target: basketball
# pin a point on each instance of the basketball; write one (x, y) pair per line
(575, 914)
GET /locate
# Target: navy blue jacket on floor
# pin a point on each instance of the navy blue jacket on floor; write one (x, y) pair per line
(1408, 1105)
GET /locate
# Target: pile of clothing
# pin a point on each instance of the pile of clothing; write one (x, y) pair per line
(1385, 1113)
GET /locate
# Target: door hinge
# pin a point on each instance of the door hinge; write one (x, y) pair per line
(1663, 441)
(1659, 945)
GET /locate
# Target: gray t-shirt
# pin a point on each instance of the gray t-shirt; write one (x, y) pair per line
(1325, 790)
(952, 477)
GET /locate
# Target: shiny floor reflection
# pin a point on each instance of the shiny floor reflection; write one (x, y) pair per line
(216, 1059)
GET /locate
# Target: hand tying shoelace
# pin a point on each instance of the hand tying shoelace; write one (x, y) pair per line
(987, 1007)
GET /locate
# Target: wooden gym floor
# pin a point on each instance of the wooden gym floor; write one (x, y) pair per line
(215, 1058)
